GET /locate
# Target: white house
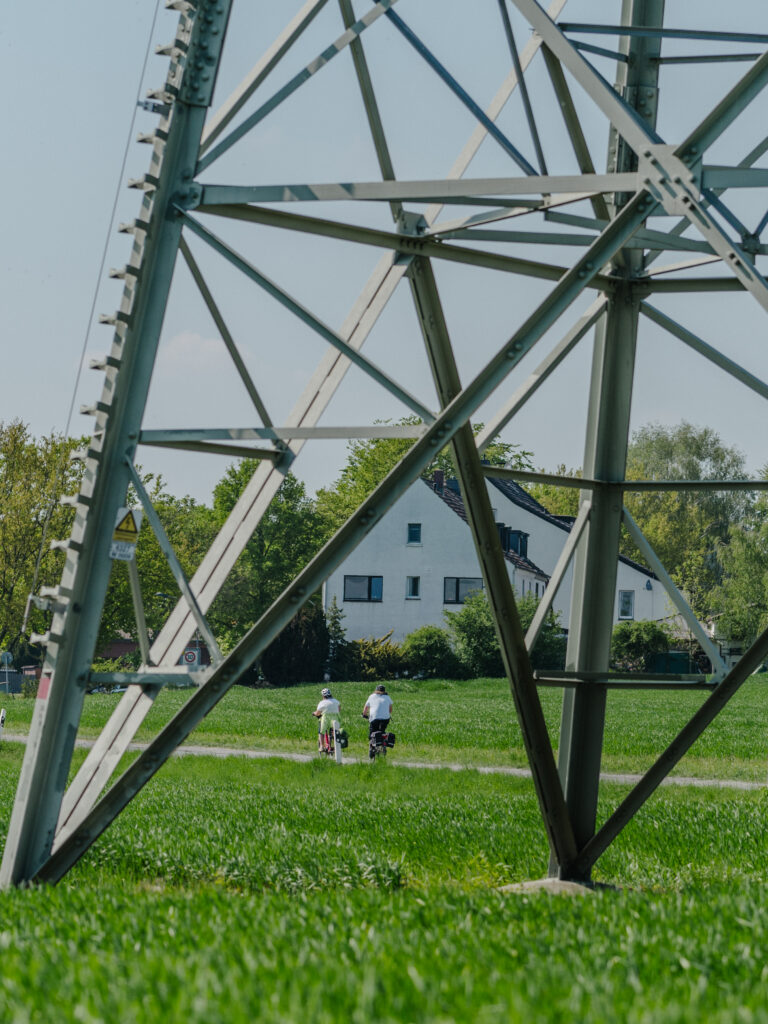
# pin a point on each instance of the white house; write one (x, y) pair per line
(419, 560)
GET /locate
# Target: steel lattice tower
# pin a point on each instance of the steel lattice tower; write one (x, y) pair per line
(603, 217)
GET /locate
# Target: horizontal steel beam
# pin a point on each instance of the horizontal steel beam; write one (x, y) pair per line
(663, 33)
(556, 682)
(584, 483)
(159, 437)
(427, 191)
(171, 675)
(231, 450)
(409, 245)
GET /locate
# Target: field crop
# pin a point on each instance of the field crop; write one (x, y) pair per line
(468, 722)
(236, 891)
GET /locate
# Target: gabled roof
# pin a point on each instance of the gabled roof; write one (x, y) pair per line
(524, 500)
(453, 500)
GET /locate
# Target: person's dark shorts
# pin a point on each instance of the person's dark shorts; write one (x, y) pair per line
(377, 725)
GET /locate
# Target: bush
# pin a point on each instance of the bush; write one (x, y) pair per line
(428, 652)
(373, 659)
(549, 649)
(474, 637)
(634, 644)
(300, 653)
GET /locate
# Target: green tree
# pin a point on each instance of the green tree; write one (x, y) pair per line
(190, 528)
(369, 461)
(284, 541)
(740, 602)
(427, 651)
(474, 639)
(633, 644)
(560, 501)
(300, 653)
(685, 528)
(34, 474)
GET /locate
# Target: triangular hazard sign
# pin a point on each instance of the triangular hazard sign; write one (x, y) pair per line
(127, 524)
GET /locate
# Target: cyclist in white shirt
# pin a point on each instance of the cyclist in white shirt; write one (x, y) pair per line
(378, 710)
(328, 712)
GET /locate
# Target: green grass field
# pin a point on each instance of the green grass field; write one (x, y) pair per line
(469, 723)
(233, 890)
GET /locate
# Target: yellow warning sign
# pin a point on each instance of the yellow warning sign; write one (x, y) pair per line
(126, 534)
(126, 528)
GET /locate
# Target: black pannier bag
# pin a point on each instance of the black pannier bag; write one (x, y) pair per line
(389, 739)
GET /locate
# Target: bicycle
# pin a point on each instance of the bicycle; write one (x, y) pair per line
(379, 742)
(333, 742)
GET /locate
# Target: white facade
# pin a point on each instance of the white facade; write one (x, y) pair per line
(391, 582)
(648, 598)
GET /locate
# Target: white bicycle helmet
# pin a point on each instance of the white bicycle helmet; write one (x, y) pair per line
(326, 692)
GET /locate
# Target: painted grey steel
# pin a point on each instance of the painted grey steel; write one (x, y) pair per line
(106, 478)
(579, 483)
(269, 61)
(498, 586)
(437, 435)
(226, 336)
(138, 611)
(709, 352)
(368, 19)
(309, 319)
(645, 177)
(540, 374)
(682, 743)
(136, 702)
(173, 563)
(561, 567)
(160, 437)
(438, 190)
(405, 244)
(719, 667)
(613, 363)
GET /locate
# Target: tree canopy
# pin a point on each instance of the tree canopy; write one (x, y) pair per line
(34, 474)
(369, 461)
(284, 541)
(740, 602)
(686, 528)
(560, 501)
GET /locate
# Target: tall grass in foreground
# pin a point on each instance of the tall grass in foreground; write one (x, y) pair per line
(236, 891)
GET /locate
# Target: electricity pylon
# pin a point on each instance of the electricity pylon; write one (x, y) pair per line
(656, 195)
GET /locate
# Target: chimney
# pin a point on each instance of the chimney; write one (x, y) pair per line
(438, 480)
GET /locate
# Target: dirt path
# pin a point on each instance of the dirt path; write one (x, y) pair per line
(197, 750)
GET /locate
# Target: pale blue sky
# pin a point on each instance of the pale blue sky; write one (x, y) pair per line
(71, 74)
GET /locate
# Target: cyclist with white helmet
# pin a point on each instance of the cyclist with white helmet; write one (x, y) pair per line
(328, 711)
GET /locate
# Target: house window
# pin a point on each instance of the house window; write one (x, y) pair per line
(412, 587)
(626, 604)
(414, 533)
(456, 589)
(363, 588)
